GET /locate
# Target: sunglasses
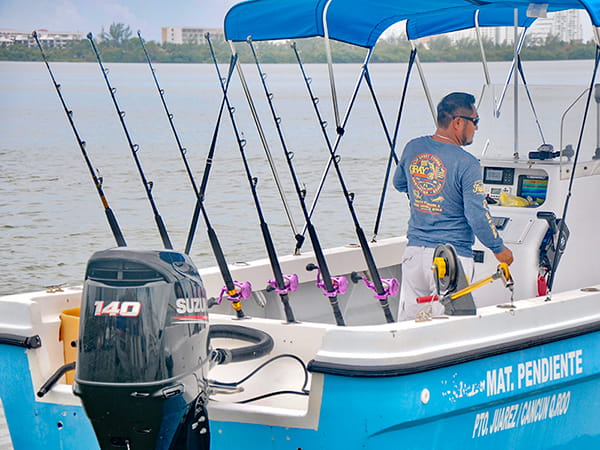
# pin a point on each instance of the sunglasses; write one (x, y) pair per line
(475, 120)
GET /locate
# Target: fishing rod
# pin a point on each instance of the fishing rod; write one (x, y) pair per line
(331, 286)
(199, 192)
(383, 288)
(148, 185)
(161, 92)
(235, 290)
(526, 86)
(282, 284)
(265, 144)
(112, 220)
(338, 136)
(391, 142)
(561, 240)
(208, 165)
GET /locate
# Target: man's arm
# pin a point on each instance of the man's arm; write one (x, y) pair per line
(505, 256)
(400, 181)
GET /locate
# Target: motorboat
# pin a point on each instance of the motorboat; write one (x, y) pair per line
(304, 351)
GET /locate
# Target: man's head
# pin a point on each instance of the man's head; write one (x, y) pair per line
(457, 115)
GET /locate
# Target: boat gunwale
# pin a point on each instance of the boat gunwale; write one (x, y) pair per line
(531, 340)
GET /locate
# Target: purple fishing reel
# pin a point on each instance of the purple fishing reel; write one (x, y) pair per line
(340, 283)
(391, 286)
(242, 292)
(291, 284)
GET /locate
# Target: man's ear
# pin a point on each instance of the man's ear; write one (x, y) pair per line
(455, 123)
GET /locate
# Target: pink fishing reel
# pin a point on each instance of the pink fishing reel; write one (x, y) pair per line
(291, 284)
(243, 291)
(340, 283)
(391, 286)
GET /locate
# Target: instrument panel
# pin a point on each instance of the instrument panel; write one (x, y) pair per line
(528, 184)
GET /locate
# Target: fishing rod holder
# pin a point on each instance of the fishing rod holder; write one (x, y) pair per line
(391, 286)
(291, 284)
(340, 283)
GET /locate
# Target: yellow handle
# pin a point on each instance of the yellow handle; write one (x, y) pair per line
(472, 287)
(503, 270)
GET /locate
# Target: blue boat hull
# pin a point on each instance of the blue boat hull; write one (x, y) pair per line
(469, 406)
(542, 397)
(34, 424)
(463, 411)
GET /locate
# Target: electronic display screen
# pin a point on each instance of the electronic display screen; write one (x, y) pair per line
(534, 187)
(498, 175)
(493, 175)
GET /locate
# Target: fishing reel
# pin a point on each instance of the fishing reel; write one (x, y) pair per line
(339, 283)
(241, 291)
(449, 277)
(452, 287)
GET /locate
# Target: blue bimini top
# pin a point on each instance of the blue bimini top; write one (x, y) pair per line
(361, 22)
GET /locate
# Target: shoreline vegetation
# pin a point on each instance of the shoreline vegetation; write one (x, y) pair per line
(124, 48)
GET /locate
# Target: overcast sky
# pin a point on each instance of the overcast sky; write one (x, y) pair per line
(84, 16)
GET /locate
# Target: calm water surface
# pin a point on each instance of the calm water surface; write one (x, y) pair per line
(51, 219)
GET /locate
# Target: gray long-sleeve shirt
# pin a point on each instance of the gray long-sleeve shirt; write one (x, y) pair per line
(445, 189)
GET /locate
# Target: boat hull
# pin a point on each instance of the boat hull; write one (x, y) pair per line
(539, 397)
(32, 423)
(494, 402)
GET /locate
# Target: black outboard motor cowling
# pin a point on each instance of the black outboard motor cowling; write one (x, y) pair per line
(142, 356)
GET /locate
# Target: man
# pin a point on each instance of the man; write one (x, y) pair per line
(447, 203)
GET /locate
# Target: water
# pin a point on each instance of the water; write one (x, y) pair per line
(51, 219)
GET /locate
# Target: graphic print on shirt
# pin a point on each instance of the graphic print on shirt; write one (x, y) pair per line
(428, 175)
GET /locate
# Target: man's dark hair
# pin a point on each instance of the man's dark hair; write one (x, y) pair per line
(452, 105)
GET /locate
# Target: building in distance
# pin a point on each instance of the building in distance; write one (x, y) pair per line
(49, 39)
(566, 25)
(187, 35)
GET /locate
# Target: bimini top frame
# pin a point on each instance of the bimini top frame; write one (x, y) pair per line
(361, 22)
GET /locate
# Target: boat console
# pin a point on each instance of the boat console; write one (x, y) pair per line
(526, 200)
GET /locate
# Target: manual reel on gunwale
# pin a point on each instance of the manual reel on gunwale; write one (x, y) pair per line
(449, 278)
(452, 287)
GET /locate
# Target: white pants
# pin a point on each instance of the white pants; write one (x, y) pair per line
(417, 280)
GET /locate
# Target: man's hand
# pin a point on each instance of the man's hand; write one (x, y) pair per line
(505, 256)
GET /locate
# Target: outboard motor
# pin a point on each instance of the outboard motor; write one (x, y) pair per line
(142, 357)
